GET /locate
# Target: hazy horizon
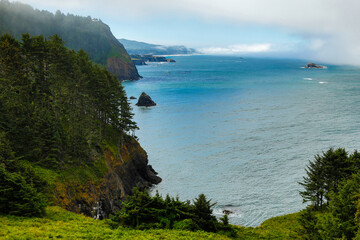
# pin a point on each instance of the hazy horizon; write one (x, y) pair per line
(322, 31)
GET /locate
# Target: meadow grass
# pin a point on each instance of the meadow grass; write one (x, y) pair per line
(59, 223)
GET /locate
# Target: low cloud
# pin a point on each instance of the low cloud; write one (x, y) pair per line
(237, 49)
(331, 26)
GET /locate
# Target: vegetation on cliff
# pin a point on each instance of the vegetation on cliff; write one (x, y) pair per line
(141, 211)
(91, 35)
(332, 185)
(65, 126)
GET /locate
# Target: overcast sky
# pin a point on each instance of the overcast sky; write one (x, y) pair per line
(321, 30)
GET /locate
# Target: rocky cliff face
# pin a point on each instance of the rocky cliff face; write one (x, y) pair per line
(101, 197)
(121, 69)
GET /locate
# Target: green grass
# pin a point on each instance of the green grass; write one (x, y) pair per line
(281, 227)
(59, 223)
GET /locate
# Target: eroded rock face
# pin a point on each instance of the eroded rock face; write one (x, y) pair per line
(103, 197)
(121, 69)
(145, 101)
(313, 65)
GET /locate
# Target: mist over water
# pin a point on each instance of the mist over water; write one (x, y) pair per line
(241, 131)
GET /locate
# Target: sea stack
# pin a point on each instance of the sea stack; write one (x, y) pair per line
(145, 101)
(313, 65)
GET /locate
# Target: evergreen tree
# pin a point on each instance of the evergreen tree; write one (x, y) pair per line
(324, 175)
(203, 211)
(56, 105)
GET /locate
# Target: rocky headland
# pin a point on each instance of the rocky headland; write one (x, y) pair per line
(144, 59)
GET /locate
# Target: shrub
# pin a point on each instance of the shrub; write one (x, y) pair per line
(17, 197)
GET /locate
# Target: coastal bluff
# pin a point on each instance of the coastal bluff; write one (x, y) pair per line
(123, 170)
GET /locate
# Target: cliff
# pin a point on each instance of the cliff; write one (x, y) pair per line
(99, 196)
(89, 34)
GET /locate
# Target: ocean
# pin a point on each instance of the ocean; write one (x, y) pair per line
(242, 130)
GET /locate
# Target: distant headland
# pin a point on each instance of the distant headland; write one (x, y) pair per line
(142, 48)
(144, 59)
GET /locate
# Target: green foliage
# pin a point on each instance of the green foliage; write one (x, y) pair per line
(85, 33)
(141, 211)
(308, 220)
(334, 176)
(59, 223)
(22, 188)
(58, 101)
(324, 175)
(340, 219)
(17, 197)
(203, 211)
(225, 220)
(281, 227)
(56, 107)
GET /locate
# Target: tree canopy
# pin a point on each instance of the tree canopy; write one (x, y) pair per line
(56, 106)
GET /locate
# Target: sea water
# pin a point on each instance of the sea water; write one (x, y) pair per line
(242, 131)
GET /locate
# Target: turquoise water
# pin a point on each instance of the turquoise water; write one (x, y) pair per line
(242, 130)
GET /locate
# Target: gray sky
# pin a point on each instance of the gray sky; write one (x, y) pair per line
(323, 30)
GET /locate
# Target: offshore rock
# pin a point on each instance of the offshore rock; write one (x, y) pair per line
(132, 97)
(313, 65)
(145, 101)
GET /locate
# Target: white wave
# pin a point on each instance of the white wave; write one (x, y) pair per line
(323, 82)
(310, 79)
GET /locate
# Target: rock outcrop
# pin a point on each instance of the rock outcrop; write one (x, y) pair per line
(145, 100)
(103, 196)
(313, 65)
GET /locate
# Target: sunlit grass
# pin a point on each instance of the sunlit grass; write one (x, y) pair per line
(59, 223)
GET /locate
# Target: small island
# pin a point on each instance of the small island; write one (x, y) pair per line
(145, 101)
(313, 65)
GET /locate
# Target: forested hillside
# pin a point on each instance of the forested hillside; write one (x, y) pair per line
(91, 35)
(65, 126)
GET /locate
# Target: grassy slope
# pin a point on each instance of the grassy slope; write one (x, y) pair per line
(281, 227)
(59, 223)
